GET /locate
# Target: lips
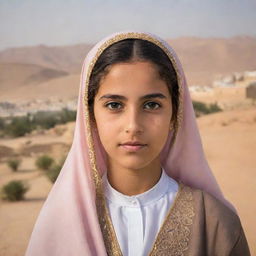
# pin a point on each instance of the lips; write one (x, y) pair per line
(133, 146)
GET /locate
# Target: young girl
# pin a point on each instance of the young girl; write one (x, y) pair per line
(136, 181)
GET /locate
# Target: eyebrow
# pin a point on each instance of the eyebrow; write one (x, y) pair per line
(145, 97)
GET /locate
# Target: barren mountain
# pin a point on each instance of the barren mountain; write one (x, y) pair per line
(65, 87)
(202, 58)
(67, 58)
(14, 75)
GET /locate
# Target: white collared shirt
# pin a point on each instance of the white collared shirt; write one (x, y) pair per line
(137, 219)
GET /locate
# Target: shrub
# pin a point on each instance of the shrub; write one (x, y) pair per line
(19, 126)
(2, 127)
(14, 190)
(54, 172)
(45, 119)
(2, 123)
(201, 108)
(67, 115)
(14, 164)
(44, 162)
(214, 108)
(48, 120)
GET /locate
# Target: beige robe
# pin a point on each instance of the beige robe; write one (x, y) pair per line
(197, 225)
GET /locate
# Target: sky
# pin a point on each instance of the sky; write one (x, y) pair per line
(67, 22)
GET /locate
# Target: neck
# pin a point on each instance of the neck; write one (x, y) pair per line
(134, 181)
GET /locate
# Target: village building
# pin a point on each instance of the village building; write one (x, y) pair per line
(251, 91)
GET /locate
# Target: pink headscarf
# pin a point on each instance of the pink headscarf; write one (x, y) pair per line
(68, 222)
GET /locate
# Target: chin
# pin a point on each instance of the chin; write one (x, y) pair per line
(134, 164)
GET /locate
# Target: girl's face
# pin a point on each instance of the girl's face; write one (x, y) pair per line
(132, 112)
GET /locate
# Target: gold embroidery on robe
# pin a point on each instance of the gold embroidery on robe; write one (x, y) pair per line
(174, 235)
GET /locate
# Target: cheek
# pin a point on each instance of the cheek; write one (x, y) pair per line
(161, 131)
(106, 130)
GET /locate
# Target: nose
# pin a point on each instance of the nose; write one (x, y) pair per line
(133, 122)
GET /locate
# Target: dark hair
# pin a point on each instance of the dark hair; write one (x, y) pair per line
(130, 50)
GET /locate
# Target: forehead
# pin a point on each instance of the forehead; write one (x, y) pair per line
(133, 77)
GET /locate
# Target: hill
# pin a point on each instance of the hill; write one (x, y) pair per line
(67, 58)
(202, 58)
(64, 87)
(13, 75)
(205, 58)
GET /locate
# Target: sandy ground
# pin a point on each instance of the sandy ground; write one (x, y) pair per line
(17, 219)
(229, 139)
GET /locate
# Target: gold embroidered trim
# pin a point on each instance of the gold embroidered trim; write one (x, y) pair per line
(174, 235)
(108, 232)
(107, 228)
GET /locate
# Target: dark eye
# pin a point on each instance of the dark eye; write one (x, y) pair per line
(152, 105)
(113, 105)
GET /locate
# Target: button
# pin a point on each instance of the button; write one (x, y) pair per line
(134, 202)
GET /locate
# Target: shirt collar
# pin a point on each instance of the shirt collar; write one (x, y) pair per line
(150, 196)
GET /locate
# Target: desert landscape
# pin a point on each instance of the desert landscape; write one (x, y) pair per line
(29, 75)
